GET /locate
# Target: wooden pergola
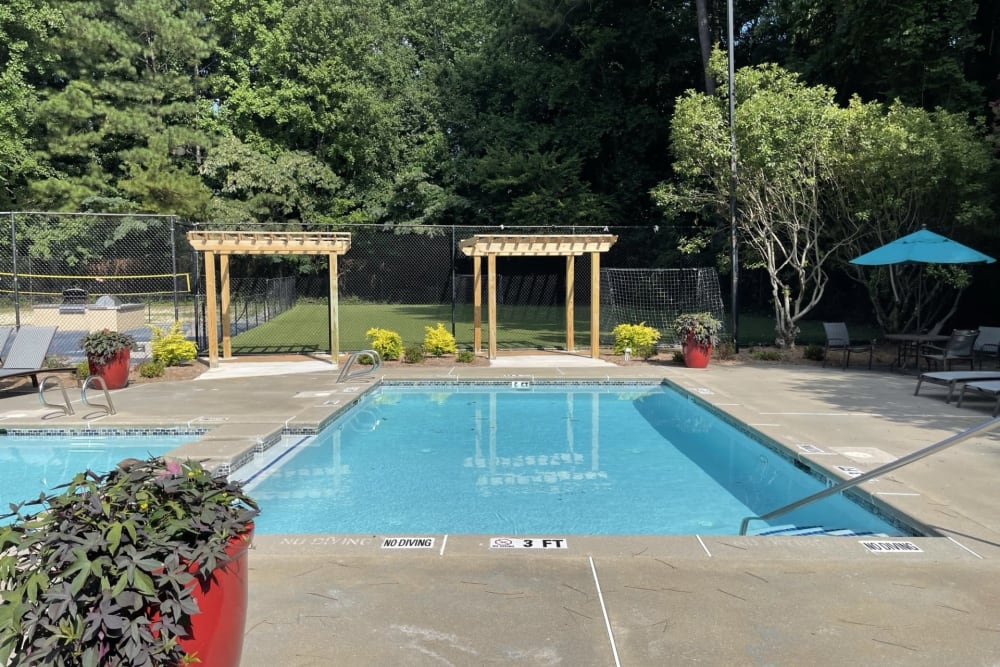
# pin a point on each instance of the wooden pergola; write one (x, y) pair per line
(569, 246)
(226, 243)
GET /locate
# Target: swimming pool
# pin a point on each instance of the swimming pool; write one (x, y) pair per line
(32, 464)
(521, 458)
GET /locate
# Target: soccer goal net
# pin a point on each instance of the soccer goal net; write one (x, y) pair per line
(657, 296)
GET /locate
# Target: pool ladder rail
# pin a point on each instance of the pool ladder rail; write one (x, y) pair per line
(347, 374)
(67, 407)
(950, 441)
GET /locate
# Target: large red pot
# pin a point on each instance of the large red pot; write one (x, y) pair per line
(696, 355)
(217, 629)
(114, 370)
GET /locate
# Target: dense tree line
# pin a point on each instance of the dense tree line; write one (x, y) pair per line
(419, 112)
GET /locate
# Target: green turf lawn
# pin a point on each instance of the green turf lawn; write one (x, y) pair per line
(304, 327)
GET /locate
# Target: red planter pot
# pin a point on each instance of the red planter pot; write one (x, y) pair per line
(114, 370)
(217, 629)
(695, 354)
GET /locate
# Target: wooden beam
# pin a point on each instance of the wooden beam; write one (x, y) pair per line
(334, 310)
(477, 304)
(595, 305)
(227, 326)
(212, 323)
(570, 291)
(491, 269)
(271, 243)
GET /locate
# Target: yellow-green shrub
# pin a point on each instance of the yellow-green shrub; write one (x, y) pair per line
(641, 338)
(388, 344)
(173, 348)
(439, 341)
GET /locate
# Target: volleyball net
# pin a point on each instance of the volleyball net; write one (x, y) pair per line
(50, 286)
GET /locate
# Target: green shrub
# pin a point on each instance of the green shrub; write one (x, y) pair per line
(814, 352)
(465, 357)
(82, 371)
(767, 355)
(414, 354)
(678, 357)
(151, 369)
(439, 341)
(387, 343)
(639, 337)
(171, 349)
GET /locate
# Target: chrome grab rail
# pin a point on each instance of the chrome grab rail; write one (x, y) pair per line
(346, 374)
(66, 408)
(93, 379)
(881, 470)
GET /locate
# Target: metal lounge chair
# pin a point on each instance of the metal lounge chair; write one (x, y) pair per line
(27, 353)
(991, 387)
(952, 379)
(987, 345)
(957, 349)
(838, 340)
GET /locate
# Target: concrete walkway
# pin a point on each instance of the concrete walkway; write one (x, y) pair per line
(729, 600)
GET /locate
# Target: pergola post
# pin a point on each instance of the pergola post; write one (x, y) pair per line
(227, 325)
(334, 309)
(570, 292)
(477, 304)
(595, 305)
(491, 288)
(211, 319)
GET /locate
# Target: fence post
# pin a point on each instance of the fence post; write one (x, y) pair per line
(14, 281)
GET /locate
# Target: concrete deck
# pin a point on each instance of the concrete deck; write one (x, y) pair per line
(342, 599)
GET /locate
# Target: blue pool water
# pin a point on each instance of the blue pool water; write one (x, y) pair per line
(31, 465)
(591, 459)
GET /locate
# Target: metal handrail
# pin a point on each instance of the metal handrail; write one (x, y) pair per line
(346, 373)
(95, 379)
(881, 470)
(66, 408)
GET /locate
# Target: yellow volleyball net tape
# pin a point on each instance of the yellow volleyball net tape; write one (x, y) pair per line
(48, 284)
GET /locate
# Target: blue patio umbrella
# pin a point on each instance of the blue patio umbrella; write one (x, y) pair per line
(922, 247)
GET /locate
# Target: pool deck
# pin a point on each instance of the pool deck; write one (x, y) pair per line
(345, 600)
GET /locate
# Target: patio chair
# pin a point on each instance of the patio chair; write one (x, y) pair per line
(27, 353)
(838, 340)
(957, 349)
(987, 345)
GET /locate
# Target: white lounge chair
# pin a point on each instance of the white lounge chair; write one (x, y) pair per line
(952, 378)
(27, 353)
(991, 387)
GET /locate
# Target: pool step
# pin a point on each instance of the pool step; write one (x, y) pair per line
(789, 529)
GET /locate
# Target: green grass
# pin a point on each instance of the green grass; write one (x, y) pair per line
(304, 327)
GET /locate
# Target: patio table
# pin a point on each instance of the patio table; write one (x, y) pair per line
(908, 346)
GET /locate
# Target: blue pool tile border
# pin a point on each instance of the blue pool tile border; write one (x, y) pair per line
(100, 432)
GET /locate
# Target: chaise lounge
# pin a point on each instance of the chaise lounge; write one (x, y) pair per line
(27, 354)
(990, 387)
(952, 378)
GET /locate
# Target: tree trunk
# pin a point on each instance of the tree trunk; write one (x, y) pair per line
(705, 41)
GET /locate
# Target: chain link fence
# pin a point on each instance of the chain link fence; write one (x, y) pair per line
(83, 272)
